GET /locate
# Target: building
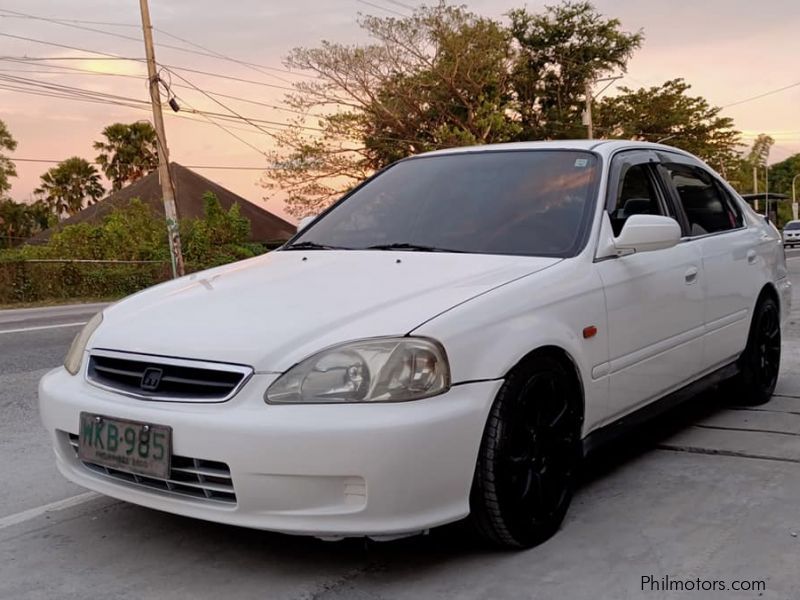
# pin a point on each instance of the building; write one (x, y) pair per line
(265, 227)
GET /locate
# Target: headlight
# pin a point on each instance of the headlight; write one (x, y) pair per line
(72, 362)
(373, 370)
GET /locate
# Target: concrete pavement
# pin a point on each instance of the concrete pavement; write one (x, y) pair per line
(710, 492)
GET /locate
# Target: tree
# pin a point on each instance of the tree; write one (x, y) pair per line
(20, 221)
(759, 153)
(41, 216)
(782, 173)
(667, 113)
(7, 170)
(441, 77)
(69, 186)
(15, 222)
(219, 237)
(437, 78)
(129, 153)
(561, 51)
(754, 160)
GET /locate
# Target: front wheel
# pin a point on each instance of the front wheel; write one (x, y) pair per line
(761, 359)
(529, 454)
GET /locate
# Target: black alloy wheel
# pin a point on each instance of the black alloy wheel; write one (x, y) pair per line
(760, 363)
(529, 454)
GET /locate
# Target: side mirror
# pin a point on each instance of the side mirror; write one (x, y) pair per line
(643, 233)
(305, 222)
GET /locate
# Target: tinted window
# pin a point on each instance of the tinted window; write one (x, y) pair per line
(706, 205)
(495, 202)
(636, 195)
(793, 225)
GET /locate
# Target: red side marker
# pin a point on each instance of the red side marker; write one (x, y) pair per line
(589, 332)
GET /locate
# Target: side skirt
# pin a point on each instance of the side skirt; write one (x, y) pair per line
(613, 430)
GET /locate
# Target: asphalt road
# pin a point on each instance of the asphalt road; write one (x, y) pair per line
(709, 492)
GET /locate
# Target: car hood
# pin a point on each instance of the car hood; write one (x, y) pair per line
(274, 310)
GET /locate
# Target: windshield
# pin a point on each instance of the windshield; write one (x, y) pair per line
(533, 203)
(793, 225)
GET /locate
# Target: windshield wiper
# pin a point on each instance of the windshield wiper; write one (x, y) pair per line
(313, 246)
(410, 247)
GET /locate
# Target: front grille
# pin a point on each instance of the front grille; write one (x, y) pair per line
(167, 379)
(208, 480)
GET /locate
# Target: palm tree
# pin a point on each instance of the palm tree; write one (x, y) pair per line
(14, 221)
(129, 153)
(6, 166)
(70, 185)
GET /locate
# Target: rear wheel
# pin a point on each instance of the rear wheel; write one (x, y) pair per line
(760, 362)
(528, 457)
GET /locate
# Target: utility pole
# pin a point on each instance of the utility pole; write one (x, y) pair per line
(755, 187)
(587, 115)
(164, 176)
(794, 198)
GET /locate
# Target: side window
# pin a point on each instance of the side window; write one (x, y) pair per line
(636, 195)
(707, 206)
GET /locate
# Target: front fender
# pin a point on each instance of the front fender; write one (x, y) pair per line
(487, 336)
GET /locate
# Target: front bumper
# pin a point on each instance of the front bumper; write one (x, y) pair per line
(325, 470)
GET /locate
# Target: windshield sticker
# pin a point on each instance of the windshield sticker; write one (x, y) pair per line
(581, 162)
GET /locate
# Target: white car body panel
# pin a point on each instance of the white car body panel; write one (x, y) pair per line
(272, 311)
(384, 469)
(655, 323)
(486, 337)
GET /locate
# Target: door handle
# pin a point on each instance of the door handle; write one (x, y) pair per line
(691, 275)
(751, 256)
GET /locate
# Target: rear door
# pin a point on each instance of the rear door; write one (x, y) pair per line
(715, 224)
(654, 299)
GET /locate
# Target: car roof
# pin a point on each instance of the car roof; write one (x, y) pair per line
(603, 147)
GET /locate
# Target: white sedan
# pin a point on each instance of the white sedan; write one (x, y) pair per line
(446, 341)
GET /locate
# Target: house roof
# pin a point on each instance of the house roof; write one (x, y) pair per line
(189, 189)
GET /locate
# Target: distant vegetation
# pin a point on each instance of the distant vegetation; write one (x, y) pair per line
(128, 152)
(34, 273)
(445, 76)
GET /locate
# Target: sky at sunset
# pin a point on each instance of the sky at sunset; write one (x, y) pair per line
(728, 50)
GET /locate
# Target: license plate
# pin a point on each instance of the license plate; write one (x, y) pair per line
(130, 446)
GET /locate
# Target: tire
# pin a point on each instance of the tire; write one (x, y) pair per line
(760, 361)
(529, 455)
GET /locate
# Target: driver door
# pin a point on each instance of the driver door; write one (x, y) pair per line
(654, 300)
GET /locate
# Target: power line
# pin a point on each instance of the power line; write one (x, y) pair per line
(206, 51)
(82, 92)
(769, 93)
(85, 22)
(378, 6)
(142, 78)
(68, 47)
(225, 167)
(403, 4)
(213, 53)
(223, 128)
(229, 77)
(222, 104)
(54, 58)
(108, 56)
(173, 67)
(79, 98)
